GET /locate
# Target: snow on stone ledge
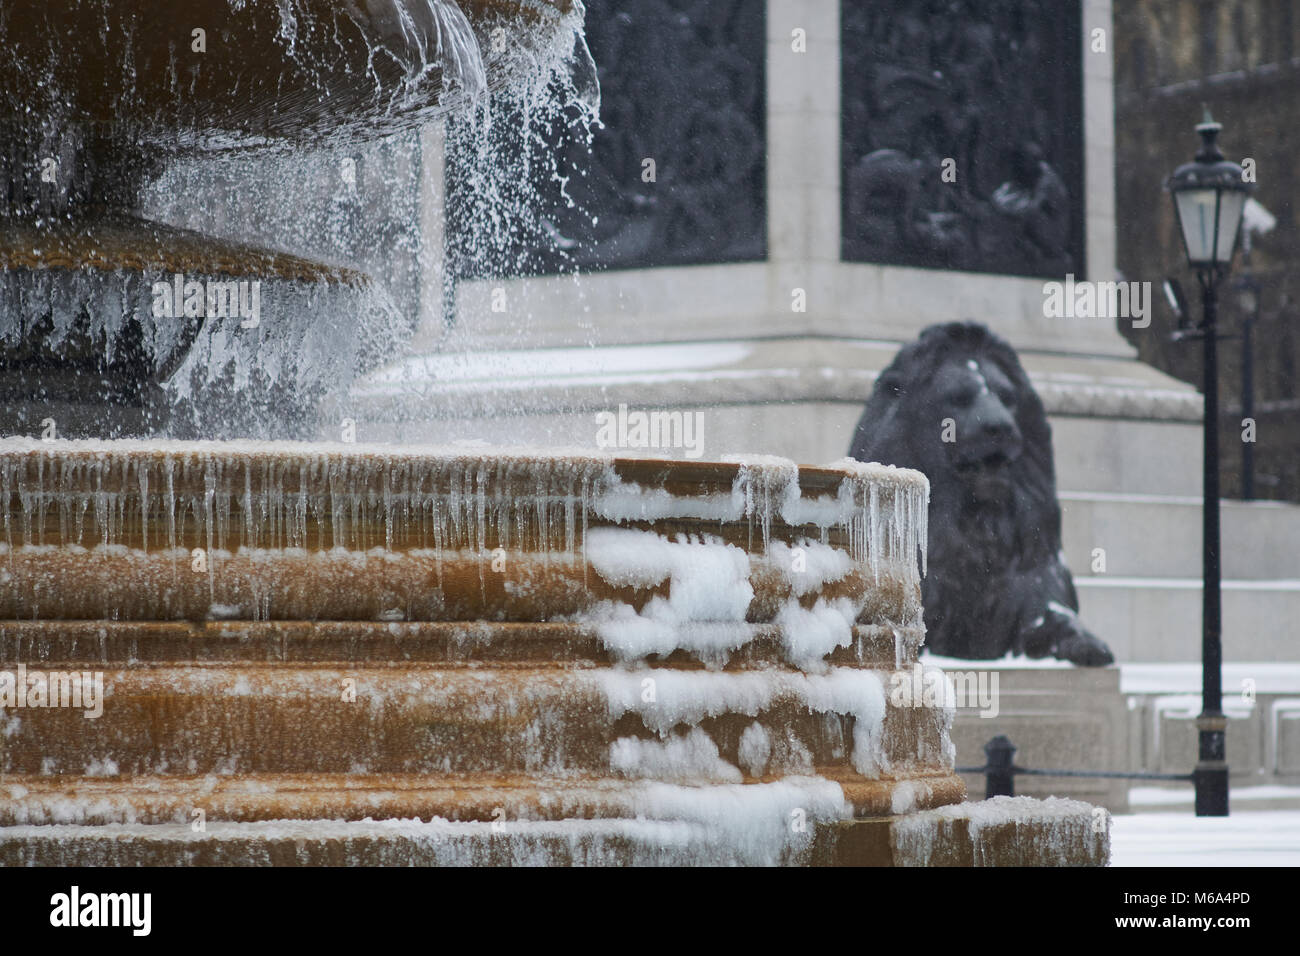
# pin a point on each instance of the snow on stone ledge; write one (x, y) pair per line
(1005, 831)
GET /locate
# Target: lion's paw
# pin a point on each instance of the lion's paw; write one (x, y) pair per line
(1058, 633)
(1085, 650)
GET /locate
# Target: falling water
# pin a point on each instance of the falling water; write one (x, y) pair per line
(321, 174)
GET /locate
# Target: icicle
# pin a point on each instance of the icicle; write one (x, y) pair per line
(480, 528)
(586, 499)
(248, 537)
(901, 528)
(209, 491)
(40, 499)
(101, 502)
(543, 531)
(873, 534)
(170, 502)
(142, 475)
(438, 519)
(923, 524)
(569, 525)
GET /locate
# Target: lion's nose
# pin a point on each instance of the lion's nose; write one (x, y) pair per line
(995, 419)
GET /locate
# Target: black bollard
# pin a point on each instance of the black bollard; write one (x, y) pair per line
(999, 761)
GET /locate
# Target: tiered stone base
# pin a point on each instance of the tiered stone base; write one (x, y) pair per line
(1019, 831)
(524, 661)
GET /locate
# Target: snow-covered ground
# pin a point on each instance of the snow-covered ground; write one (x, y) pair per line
(1246, 838)
(1166, 798)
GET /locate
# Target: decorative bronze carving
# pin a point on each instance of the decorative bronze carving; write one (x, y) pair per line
(962, 134)
(681, 85)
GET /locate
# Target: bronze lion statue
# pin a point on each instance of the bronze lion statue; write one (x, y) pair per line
(957, 405)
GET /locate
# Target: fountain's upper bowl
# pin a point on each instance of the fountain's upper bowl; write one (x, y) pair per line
(261, 71)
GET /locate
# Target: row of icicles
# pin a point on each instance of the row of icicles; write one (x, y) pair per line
(457, 502)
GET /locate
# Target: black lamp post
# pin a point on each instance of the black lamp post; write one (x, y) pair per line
(1209, 199)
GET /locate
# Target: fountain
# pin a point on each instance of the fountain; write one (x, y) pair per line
(244, 652)
(111, 324)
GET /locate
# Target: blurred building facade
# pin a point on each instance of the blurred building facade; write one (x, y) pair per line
(1241, 59)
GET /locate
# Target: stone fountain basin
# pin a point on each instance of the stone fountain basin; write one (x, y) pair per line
(120, 242)
(85, 329)
(269, 70)
(484, 614)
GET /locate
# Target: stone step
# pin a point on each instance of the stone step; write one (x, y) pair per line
(1159, 619)
(247, 798)
(219, 718)
(117, 583)
(1159, 536)
(1124, 456)
(403, 843)
(1117, 423)
(188, 531)
(776, 824)
(53, 645)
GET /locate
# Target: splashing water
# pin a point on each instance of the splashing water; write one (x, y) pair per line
(501, 149)
(300, 69)
(371, 238)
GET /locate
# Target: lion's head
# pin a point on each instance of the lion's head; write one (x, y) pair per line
(957, 405)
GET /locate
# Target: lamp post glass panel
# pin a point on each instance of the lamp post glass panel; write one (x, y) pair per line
(1209, 198)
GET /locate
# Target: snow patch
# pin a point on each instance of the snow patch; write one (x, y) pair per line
(681, 758)
(665, 699)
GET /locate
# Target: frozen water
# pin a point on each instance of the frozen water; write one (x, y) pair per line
(251, 495)
(708, 595)
(255, 495)
(810, 634)
(814, 566)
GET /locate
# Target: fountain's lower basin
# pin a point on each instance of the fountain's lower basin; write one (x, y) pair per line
(116, 327)
(507, 658)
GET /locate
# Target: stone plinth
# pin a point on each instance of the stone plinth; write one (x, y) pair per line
(1059, 718)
